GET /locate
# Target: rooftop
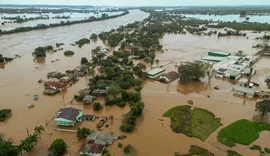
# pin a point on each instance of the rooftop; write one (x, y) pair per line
(219, 52)
(213, 58)
(243, 90)
(90, 147)
(155, 71)
(102, 138)
(243, 81)
(69, 113)
(232, 72)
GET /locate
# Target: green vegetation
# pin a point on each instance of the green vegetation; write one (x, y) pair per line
(129, 149)
(4, 59)
(242, 131)
(94, 36)
(126, 128)
(263, 107)
(114, 89)
(197, 123)
(267, 150)
(191, 71)
(41, 51)
(4, 113)
(68, 53)
(6, 147)
(83, 132)
(97, 106)
(82, 42)
(120, 145)
(57, 148)
(84, 61)
(255, 147)
(195, 150)
(232, 153)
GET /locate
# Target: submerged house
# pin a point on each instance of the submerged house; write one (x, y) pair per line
(88, 99)
(91, 149)
(98, 92)
(68, 116)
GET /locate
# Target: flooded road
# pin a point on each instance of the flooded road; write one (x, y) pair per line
(18, 83)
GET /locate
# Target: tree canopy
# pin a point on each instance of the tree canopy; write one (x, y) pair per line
(83, 132)
(263, 107)
(114, 89)
(192, 71)
(57, 148)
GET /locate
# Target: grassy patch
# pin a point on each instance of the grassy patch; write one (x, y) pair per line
(233, 153)
(197, 123)
(171, 111)
(203, 123)
(195, 150)
(242, 131)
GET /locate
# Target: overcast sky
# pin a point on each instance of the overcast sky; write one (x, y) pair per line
(139, 2)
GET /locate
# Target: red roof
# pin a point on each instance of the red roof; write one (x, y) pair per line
(90, 147)
(128, 50)
(56, 84)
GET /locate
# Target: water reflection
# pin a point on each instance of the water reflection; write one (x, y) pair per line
(192, 87)
(2, 65)
(40, 60)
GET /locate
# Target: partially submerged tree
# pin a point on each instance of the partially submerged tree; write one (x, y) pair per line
(84, 60)
(83, 132)
(114, 89)
(263, 107)
(57, 148)
(192, 71)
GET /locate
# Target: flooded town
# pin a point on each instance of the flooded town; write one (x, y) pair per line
(83, 80)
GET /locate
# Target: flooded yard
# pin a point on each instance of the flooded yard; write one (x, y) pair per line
(18, 83)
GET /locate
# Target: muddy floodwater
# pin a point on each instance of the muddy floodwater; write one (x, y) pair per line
(231, 18)
(73, 17)
(152, 137)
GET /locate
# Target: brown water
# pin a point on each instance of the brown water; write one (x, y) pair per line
(18, 83)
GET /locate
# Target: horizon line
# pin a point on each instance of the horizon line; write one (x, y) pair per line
(130, 5)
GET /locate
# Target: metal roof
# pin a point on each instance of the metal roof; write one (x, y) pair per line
(155, 71)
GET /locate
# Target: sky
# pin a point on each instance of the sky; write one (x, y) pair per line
(139, 2)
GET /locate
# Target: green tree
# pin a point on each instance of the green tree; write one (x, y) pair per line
(263, 107)
(128, 149)
(83, 132)
(97, 106)
(114, 89)
(39, 130)
(192, 71)
(6, 147)
(126, 128)
(93, 36)
(57, 148)
(84, 60)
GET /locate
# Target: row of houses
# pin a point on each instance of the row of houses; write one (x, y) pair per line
(58, 82)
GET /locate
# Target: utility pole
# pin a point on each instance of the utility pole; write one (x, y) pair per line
(27, 131)
(63, 100)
